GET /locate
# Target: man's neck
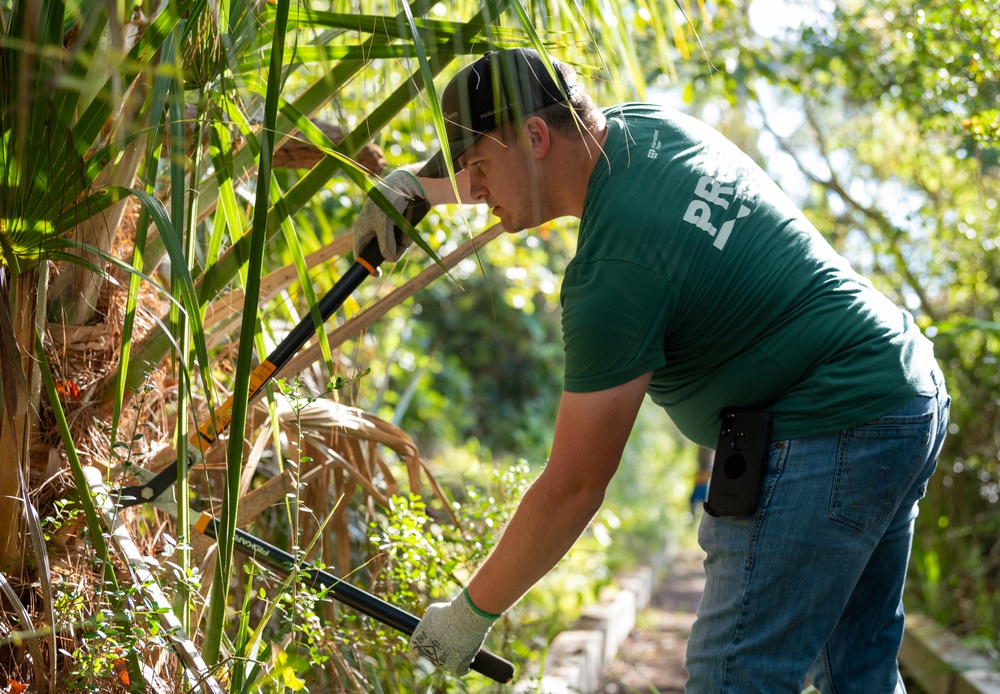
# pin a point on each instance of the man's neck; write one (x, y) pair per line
(582, 156)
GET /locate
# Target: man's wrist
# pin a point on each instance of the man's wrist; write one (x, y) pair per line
(472, 605)
(415, 180)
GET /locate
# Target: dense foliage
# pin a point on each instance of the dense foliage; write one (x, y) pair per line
(178, 183)
(157, 235)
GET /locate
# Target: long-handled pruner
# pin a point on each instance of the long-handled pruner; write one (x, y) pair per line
(154, 487)
(485, 663)
(365, 265)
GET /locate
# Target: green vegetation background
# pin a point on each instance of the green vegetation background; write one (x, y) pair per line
(881, 119)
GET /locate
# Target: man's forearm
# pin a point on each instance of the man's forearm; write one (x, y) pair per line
(590, 435)
(547, 522)
(439, 191)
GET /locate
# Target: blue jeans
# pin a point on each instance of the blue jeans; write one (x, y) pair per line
(812, 584)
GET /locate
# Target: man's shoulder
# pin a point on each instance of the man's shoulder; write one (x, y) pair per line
(639, 112)
(639, 109)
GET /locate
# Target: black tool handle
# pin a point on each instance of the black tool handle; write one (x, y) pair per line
(365, 265)
(485, 663)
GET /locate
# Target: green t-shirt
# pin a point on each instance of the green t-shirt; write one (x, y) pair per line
(692, 264)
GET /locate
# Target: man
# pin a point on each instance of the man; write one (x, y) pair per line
(698, 282)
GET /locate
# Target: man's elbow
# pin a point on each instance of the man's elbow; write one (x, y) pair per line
(583, 494)
(591, 502)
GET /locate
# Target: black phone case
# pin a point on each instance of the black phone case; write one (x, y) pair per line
(740, 459)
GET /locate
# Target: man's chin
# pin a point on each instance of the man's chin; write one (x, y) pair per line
(511, 226)
(504, 223)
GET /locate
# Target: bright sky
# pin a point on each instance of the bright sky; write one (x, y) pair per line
(772, 19)
(769, 18)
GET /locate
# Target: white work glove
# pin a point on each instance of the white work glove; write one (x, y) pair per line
(452, 633)
(399, 187)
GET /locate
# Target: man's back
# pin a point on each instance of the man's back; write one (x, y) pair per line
(692, 263)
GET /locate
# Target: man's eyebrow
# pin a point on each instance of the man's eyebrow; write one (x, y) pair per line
(464, 156)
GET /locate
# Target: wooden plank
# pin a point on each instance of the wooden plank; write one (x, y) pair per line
(198, 672)
(936, 660)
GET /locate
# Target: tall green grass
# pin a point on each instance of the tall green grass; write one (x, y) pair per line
(179, 113)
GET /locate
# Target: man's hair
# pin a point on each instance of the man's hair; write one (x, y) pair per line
(581, 112)
(576, 118)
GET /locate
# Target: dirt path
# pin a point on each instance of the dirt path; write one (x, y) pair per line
(651, 661)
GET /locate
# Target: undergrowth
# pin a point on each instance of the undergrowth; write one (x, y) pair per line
(283, 635)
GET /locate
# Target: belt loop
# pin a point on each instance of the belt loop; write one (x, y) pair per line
(937, 376)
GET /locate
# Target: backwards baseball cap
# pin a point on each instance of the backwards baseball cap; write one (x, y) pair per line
(501, 87)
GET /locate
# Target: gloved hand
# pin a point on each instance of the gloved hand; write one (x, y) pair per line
(399, 187)
(451, 633)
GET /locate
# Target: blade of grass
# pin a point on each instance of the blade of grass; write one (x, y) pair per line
(243, 632)
(250, 646)
(24, 618)
(183, 285)
(324, 54)
(155, 600)
(158, 97)
(660, 36)
(86, 501)
(305, 282)
(233, 221)
(377, 24)
(244, 363)
(231, 217)
(625, 50)
(44, 573)
(434, 103)
(184, 335)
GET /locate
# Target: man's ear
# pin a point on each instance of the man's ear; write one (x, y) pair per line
(538, 136)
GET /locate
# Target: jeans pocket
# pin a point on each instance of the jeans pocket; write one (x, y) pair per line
(876, 464)
(777, 453)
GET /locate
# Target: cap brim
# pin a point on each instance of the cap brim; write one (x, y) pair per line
(436, 167)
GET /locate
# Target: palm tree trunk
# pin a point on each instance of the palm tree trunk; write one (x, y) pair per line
(18, 422)
(75, 290)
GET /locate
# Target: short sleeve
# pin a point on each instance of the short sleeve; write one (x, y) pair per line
(615, 318)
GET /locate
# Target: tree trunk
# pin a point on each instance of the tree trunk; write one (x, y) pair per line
(16, 427)
(75, 290)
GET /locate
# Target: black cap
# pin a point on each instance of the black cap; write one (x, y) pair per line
(501, 87)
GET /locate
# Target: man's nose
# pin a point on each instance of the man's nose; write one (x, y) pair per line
(477, 188)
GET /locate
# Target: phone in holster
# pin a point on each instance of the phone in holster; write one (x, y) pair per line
(740, 461)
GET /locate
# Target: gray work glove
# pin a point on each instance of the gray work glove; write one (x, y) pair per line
(399, 187)
(451, 633)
